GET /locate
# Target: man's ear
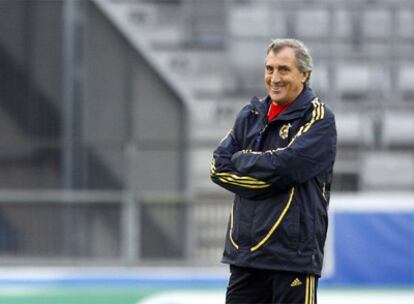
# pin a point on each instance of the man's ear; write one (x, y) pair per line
(306, 76)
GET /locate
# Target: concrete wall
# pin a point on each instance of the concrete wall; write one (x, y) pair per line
(130, 137)
(136, 109)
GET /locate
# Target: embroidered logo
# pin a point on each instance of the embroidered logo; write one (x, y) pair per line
(284, 131)
(296, 282)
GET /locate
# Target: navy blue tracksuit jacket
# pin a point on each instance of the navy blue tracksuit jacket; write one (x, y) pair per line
(280, 173)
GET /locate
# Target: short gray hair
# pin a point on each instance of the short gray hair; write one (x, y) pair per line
(303, 57)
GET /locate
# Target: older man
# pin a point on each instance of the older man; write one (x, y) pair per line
(278, 160)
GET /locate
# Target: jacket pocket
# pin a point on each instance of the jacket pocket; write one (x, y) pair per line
(324, 188)
(277, 222)
(231, 227)
(291, 226)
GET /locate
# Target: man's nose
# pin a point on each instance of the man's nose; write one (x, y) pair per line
(275, 77)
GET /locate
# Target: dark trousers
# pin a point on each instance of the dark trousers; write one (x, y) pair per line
(247, 285)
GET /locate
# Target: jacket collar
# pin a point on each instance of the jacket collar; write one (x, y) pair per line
(293, 111)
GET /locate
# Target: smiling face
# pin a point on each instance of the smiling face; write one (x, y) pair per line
(283, 79)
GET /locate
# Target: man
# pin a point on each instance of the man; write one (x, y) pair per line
(277, 160)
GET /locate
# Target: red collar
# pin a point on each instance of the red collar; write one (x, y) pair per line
(274, 111)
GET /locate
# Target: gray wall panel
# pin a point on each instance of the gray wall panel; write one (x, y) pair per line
(13, 28)
(106, 82)
(157, 111)
(158, 171)
(46, 49)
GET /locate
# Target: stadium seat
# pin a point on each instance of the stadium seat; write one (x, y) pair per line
(248, 21)
(406, 81)
(405, 24)
(354, 130)
(343, 23)
(247, 62)
(353, 80)
(398, 130)
(320, 79)
(387, 170)
(278, 24)
(377, 23)
(359, 81)
(313, 23)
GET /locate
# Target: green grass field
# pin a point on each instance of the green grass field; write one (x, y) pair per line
(72, 295)
(181, 295)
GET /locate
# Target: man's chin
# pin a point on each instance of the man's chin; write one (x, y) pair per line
(277, 97)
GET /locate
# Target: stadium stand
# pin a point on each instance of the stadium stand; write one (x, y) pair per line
(360, 48)
(210, 54)
(356, 69)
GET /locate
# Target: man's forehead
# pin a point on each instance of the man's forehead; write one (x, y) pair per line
(285, 56)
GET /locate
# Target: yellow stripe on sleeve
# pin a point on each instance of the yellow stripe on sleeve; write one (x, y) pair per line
(242, 181)
(243, 185)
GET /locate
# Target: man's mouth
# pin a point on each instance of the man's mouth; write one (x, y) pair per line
(276, 89)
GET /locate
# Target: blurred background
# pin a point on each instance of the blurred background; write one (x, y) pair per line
(110, 111)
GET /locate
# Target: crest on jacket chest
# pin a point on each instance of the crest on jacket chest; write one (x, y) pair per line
(284, 131)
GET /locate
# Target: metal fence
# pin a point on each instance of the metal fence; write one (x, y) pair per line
(110, 227)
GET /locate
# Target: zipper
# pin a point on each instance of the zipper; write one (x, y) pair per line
(258, 139)
(259, 136)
